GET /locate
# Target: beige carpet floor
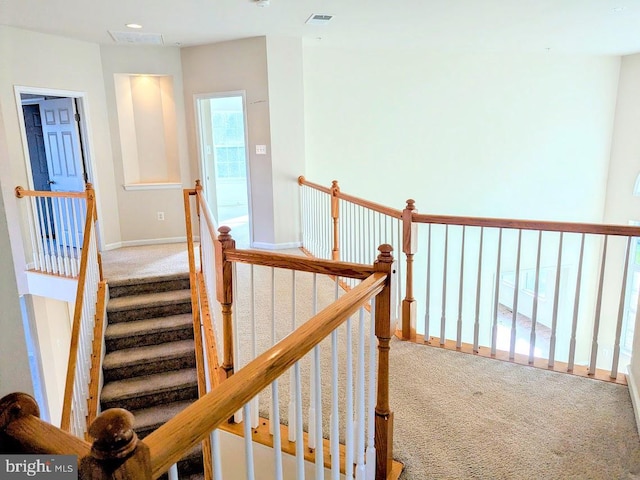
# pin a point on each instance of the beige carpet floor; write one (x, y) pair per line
(457, 416)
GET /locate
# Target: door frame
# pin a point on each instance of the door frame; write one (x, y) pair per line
(81, 105)
(201, 153)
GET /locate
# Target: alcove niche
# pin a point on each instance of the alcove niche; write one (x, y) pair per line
(148, 131)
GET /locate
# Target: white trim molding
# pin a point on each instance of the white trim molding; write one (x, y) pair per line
(276, 246)
(152, 186)
(139, 243)
(633, 392)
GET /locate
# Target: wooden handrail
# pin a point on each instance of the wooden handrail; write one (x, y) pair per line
(304, 264)
(377, 207)
(567, 227)
(21, 192)
(65, 423)
(169, 442)
(96, 352)
(197, 330)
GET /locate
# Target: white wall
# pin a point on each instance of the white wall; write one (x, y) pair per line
(525, 136)
(286, 112)
(53, 319)
(139, 208)
(227, 67)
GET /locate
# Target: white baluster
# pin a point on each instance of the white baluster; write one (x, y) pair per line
(255, 401)
(460, 289)
(292, 379)
(275, 421)
(534, 315)
(443, 318)
(494, 329)
(476, 325)
(299, 435)
(598, 312)
(428, 291)
(334, 420)
(173, 472)
(556, 301)
(217, 456)
(274, 340)
(370, 456)
(312, 374)
(348, 444)
(623, 290)
(514, 315)
(318, 438)
(248, 442)
(360, 401)
(576, 304)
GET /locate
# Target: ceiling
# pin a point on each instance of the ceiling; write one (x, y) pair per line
(593, 27)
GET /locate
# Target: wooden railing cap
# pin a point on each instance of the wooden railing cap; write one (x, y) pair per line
(224, 232)
(19, 191)
(113, 434)
(411, 204)
(16, 405)
(301, 179)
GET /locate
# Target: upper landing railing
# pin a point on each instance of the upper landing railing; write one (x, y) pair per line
(556, 295)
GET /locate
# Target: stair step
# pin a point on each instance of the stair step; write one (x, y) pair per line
(150, 331)
(148, 419)
(160, 283)
(138, 361)
(148, 305)
(149, 390)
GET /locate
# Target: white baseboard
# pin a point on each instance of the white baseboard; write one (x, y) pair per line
(633, 392)
(140, 243)
(276, 246)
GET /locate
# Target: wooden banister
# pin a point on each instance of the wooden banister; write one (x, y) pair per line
(409, 248)
(65, 423)
(21, 430)
(168, 443)
(304, 264)
(21, 193)
(392, 212)
(224, 293)
(567, 227)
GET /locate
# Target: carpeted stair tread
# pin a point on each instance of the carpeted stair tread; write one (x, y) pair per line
(149, 326)
(148, 419)
(152, 353)
(149, 279)
(147, 300)
(148, 384)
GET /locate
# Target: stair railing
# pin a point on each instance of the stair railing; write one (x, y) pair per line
(216, 275)
(556, 295)
(116, 451)
(56, 222)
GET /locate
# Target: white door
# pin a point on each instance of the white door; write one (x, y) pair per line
(62, 145)
(64, 161)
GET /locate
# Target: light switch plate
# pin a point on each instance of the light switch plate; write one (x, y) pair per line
(261, 149)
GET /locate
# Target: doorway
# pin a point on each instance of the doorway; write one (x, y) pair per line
(56, 159)
(222, 130)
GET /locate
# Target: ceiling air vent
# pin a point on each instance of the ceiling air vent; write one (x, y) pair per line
(137, 38)
(319, 19)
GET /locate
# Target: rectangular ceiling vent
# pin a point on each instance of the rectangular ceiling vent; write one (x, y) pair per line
(319, 19)
(137, 38)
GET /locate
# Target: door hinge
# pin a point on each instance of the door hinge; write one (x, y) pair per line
(77, 117)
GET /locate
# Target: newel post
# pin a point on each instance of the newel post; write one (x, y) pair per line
(335, 215)
(409, 248)
(224, 293)
(116, 452)
(384, 415)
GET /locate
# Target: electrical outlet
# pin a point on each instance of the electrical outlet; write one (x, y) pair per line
(160, 216)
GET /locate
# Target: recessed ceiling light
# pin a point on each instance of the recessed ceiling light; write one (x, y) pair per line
(133, 25)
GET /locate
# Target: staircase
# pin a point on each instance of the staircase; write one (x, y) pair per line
(149, 366)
